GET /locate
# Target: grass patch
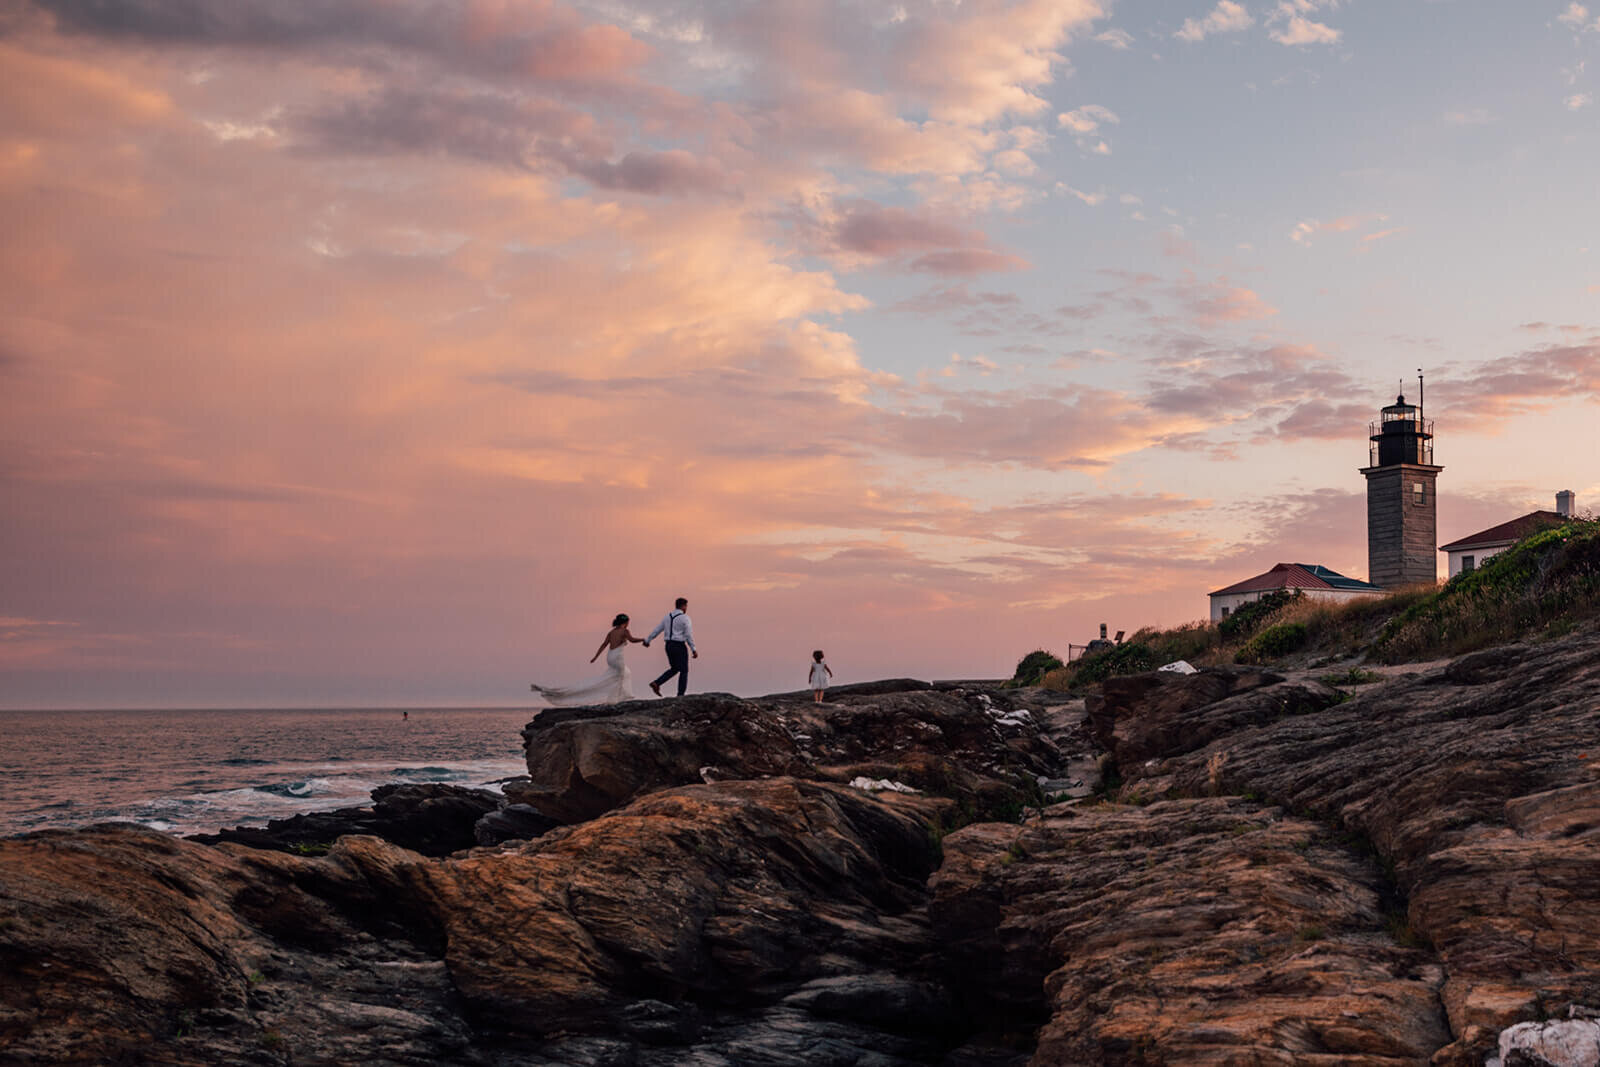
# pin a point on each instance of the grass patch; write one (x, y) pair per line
(1546, 584)
(1274, 643)
(1353, 676)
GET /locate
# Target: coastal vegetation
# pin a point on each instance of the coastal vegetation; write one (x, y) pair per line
(1034, 666)
(1545, 586)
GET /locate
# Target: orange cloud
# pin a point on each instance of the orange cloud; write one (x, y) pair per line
(384, 349)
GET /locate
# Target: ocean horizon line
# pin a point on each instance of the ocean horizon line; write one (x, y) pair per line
(77, 709)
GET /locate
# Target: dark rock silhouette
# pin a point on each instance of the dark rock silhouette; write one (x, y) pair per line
(431, 818)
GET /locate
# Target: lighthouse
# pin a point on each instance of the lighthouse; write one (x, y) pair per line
(1401, 481)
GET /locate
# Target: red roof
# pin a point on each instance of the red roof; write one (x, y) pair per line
(1508, 532)
(1298, 576)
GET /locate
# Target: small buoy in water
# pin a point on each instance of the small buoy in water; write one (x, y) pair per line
(405, 715)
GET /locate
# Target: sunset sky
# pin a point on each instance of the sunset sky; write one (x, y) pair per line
(379, 351)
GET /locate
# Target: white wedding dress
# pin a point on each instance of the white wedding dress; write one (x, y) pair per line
(614, 685)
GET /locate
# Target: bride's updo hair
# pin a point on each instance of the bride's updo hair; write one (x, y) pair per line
(619, 620)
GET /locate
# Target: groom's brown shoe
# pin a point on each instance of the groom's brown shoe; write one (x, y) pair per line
(654, 688)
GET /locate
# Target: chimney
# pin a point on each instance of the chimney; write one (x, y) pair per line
(1564, 501)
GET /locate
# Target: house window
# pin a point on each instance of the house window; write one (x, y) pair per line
(1419, 494)
(1467, 563)
(1224, 613)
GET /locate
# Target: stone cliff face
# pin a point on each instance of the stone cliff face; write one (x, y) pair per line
(1395, 877)
(1274, 873)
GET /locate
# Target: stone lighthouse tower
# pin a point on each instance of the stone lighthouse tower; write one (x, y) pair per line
(1400, 498)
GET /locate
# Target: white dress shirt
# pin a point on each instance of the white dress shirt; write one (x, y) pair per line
(677, 627)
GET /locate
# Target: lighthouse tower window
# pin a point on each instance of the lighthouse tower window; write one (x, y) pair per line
(1419, 494)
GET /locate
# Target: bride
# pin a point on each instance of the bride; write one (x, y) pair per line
(614, 685)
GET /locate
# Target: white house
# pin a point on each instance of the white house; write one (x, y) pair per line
(1468, 553)
(1312, 579)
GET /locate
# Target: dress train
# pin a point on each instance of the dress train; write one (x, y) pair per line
(615, 685)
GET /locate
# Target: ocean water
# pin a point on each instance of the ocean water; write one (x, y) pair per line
(200, 771)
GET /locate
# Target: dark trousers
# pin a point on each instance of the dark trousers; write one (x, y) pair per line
(677, 663)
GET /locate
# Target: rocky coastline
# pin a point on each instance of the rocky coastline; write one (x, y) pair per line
(1235, 866)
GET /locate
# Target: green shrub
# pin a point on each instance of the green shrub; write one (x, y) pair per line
(1247, 618)
(1274, 642)
(1132, 657)
(1034, 666)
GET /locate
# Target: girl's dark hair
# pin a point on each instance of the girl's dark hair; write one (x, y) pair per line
(817, 655)
(619, 620)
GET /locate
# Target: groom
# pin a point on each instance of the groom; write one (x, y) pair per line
(680, 646)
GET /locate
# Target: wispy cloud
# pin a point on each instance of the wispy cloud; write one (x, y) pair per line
(1576, 18)
(1306, 230)
(1300, 30)
(1092, 199)
(1087, 119)
(1226, 17)
(1085, 122)
(1289, 24)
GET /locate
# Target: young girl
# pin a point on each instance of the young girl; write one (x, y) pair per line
(820, 673)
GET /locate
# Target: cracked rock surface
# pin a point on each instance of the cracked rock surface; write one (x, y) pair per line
(1274, 870)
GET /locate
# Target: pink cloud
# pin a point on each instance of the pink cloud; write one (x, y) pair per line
(376, 360)
(967, 261)
(1519, 384)
(890, 231)
(1061, 429)
(1229, 304)
(977, 62)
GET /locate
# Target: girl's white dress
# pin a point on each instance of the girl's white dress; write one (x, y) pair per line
(819, 676)
(616, 684)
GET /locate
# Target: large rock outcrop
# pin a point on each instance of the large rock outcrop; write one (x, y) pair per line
(1275, 871)
(1423, 855)
(974, 747)
(750, 920)
(778, 914)
(1210, 931)
(1477, 784)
